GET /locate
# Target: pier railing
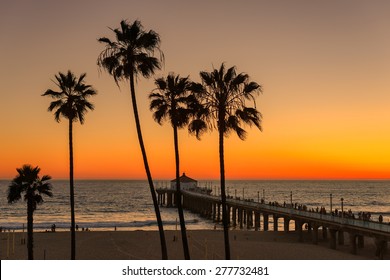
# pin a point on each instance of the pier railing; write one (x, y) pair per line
(292, 212)
(324, 217)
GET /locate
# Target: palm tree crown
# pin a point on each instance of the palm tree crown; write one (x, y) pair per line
(28, 182)
(172, 100)
(132, 53)
(223, 94)
(71, 99)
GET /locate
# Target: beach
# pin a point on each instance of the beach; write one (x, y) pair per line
(204, 245)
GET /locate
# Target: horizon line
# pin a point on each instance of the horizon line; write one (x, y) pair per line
(217, 179)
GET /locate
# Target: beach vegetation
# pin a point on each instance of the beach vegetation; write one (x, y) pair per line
(32, 187)
(224, 94)
(173, 101)
(71, 102)
(131, 55)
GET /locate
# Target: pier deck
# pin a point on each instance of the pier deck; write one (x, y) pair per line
(257, 215)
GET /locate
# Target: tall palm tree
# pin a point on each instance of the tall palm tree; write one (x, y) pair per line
(71, 102)
(28, 182)
(223, 94)
(130, 55)
(172, 100)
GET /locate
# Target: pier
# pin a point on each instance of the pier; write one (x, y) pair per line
(262, 216)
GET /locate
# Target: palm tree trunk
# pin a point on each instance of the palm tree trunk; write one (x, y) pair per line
(30, 221)
(223, 192)
(72, 214)
(164, 252)
(178, 196)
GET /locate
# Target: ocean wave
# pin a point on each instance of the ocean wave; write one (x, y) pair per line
(96, 225)
(378, 203)
(129, 205)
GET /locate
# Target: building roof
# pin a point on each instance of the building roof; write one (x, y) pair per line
(184, 179)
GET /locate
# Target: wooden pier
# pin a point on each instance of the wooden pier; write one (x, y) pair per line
(258, 216)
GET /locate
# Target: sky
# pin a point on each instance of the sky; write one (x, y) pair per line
(324, 67)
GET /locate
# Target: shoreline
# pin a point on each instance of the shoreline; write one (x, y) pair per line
(204, 245)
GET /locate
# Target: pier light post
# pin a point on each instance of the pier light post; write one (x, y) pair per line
(235, 193)
(342, 207)
(331, 204)
(243, 193)
(258, 196)
(291, 198)
(264, 195)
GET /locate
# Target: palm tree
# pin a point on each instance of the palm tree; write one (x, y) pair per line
(173, 100)
(71, 103)
(130, 55)
(28, 182)
(223, 94)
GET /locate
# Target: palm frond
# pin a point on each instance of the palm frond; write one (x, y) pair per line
(233, 123)
(46, 178)
(160, 83)
(157, 100)
(55, 104)
(45, 188)
(149, 40)
(105, 40)
(230, 74)
(53, 94)
(57, 114)
(15, 189)
(207, 78)
(147, 65)
(197, 127)
(132, 51)
(181, 117)
(250, 116)
(239, 79)
(161, 113)
(252, 87)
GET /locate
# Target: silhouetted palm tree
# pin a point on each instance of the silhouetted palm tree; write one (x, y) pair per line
(172, 100)
(72, 104)
(28, 182)
(130, 55)
(223, 94)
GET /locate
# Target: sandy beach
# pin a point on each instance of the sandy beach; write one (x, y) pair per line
(204, 244)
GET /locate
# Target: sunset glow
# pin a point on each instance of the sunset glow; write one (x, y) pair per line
(324, 67)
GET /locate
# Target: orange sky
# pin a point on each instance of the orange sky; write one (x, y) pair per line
(324, 66)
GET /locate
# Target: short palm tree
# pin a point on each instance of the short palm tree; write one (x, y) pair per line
(172, 100)
(130, 55)
(29, 183)
(223, 94)
(71, 102)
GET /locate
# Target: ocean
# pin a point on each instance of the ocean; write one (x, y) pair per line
(127, 204)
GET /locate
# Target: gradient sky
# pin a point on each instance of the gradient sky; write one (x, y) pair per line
(324, 67)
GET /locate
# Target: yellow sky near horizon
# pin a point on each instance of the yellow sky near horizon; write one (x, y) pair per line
(324, 67)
